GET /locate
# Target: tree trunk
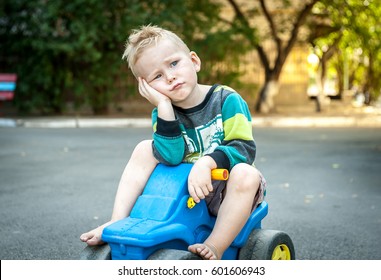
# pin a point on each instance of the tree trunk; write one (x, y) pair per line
(265, 101)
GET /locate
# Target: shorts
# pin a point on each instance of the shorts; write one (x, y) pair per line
(215, 198)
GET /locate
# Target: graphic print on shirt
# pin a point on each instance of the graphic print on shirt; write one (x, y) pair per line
(204, 139)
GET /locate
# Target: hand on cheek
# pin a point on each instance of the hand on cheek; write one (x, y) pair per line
(149, 93)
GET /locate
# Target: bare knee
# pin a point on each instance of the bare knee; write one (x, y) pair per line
(245, 178)
(144, 148)
(143, 151)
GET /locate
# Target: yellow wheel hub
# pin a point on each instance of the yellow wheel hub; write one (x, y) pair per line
(281, 252)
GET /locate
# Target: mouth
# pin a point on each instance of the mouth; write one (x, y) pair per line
(176, 86)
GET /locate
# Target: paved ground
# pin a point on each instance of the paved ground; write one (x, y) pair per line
(324, 187)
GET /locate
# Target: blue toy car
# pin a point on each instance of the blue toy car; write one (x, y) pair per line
(164, 222)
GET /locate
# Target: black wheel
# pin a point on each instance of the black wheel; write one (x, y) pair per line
(101, 252)
(267, 245)
(172, 254)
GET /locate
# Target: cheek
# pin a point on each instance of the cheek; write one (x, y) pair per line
(155, 85)
(192, 70)
(158, 86)
(193, 75)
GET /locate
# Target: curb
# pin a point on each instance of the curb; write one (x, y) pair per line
(267, 121)
(314, 121)
(75, 122)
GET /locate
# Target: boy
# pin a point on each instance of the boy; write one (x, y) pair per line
(209, 126)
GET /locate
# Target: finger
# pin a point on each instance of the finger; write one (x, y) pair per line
(142, 87)
(210, 187)
(193, 194)
(143, 84)
(146, 86)
(200, 193)
(205, 190)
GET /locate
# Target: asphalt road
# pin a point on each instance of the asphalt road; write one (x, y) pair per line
(324, 188)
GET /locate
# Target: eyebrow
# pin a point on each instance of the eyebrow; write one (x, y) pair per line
(171, 57)
(168, 59)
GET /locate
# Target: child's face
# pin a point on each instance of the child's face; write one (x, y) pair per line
(169, 69)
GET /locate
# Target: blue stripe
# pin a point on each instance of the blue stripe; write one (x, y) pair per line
(7, 86)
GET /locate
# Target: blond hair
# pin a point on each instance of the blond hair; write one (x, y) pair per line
(147, 36)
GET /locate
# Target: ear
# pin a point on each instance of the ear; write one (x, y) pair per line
(196, 61)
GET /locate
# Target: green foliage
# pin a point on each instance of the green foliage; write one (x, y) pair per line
(64, 50)
(71, 50)
(356, 24)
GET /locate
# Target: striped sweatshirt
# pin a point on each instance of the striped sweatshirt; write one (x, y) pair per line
(219, 127)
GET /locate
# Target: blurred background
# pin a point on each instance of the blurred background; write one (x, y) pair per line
(292, 60)
(281, 55)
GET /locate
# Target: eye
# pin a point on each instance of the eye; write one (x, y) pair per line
(158, 76)
(174, 63)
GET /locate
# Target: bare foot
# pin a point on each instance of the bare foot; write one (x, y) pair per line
(205, 251)
(93, 237)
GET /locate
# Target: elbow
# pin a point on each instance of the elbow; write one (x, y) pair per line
(173, 158)
(169, 154)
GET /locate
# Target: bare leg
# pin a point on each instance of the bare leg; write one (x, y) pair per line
(131, 185)
(235, 210)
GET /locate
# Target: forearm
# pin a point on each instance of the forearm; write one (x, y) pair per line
(168, 145)
(165, 110)
(207, 161)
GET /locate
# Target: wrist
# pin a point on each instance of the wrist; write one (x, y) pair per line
(208, 161)
(165, 110)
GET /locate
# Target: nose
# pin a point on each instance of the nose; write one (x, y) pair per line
(170, 78)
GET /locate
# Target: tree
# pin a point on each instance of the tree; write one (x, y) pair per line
(72, 50)
(283, 30)
(350, 42)
(64, 50)
(324, 39)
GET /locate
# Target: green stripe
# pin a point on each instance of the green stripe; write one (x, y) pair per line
(238, 127)
(234, 104)
(154, 119)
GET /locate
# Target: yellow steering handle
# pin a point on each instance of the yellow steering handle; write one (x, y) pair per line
(217, 174)
(220, 174)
